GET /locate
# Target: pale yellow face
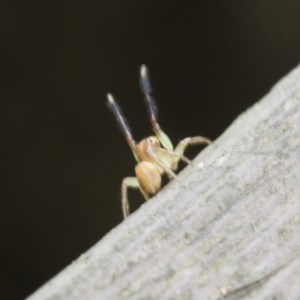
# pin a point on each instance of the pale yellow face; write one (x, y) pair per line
(153, 140)
(146, 148)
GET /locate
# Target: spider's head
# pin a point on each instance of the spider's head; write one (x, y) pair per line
(147, 148)
(152, 141)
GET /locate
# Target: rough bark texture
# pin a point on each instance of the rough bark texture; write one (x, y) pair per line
(229, 229)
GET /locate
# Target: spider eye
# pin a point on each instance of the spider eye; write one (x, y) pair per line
(151, 140)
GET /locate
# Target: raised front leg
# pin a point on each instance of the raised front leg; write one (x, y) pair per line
(152, 110)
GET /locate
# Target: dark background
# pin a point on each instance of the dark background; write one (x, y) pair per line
(63, 157)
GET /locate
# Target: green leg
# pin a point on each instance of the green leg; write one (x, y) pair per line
(129, 182)
(163, 138)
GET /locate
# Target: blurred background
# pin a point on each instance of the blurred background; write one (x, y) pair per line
(63, 156)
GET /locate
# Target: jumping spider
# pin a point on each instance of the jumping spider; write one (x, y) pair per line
(155, 155)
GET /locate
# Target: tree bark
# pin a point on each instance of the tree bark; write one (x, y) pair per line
(229, 228)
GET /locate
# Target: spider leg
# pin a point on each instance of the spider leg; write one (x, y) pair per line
(115, 108)
(183, 144)
(180, 157)
(166, 169)
(170, 158)
(152, 109)
(129, 182)
(162, 159)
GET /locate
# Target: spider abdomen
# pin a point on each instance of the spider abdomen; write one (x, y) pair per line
(148, 176)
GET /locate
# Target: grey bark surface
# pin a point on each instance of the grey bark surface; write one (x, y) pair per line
(228, 229)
